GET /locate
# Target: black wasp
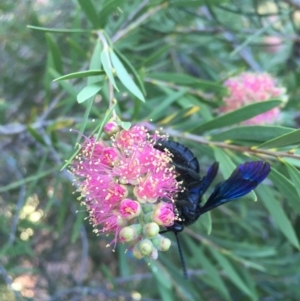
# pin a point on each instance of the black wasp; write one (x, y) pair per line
(243, 179)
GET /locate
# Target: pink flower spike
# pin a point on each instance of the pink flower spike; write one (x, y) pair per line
(129, 209)
(248, 88)
(163, 214)
(119, 179)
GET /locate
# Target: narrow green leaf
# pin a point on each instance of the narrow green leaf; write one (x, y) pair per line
(278, 214)
(205, 111)
(226, 164)
(106, 11)
(149, 60)
(237, 116)
(123, 264)
(163, 282)
(87, 92)
(128, 65)
(206, 222)
(59, 30)
(183, 287)
(180, 116)
(65, 85)
(250, 280)
(257, 133)
(124, 77)
(37, 136)
(106, 62)
(283, 140)
(80, 74)
(90, 12)
(159, 110)
(187, 80)
(77, 51)
(294, 174)
(95, 64)
(287, 188)
(293, 161)
(233, 276)
(227, 167)
(55, 53)
(213, 273)
(260, 253)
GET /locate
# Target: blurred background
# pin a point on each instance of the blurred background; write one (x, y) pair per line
(47, 249)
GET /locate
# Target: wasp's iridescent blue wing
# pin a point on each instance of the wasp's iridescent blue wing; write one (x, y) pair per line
(244, 178)
(206, 181)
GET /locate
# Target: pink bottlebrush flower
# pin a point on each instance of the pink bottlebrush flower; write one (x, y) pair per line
(109, 219)
(129, 209)
(147, 190)
(131, 138)
(163, 214)
(109, 156)
(123, 180)
(248, 88)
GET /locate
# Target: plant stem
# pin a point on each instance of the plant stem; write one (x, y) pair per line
(239, 148)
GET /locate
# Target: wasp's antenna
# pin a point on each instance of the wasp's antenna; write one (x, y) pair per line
(181, 256)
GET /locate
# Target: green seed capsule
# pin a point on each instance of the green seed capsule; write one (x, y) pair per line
(151, 229)
(137, 253)
(146, 247)
(130, 233)
(161, 243)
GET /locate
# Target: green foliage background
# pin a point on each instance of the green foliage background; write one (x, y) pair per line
(169, 60)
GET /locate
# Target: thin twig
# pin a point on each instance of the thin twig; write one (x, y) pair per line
(239, 148)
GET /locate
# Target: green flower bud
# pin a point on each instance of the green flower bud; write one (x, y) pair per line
(146, 246)
(130, 233)
(137, 253)
(161, 243)
(151, 229)
(111, 128)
